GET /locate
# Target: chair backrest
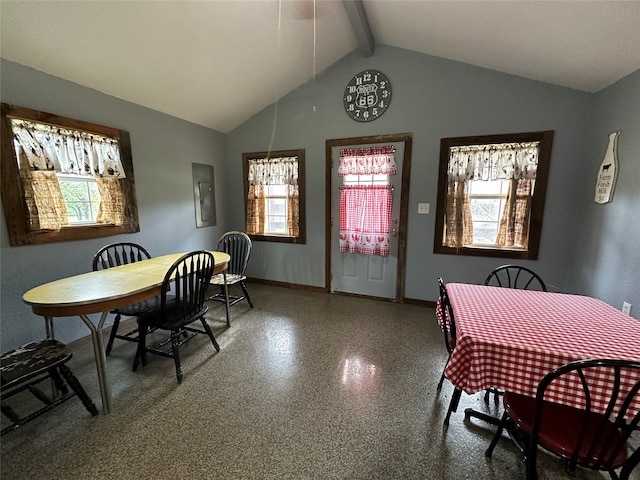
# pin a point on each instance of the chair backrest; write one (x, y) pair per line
(185, 288)
(603, 423)
(119, 254)
(448, 322)
(238, 246)
(514, 276)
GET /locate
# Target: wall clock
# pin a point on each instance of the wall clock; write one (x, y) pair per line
(367, 96)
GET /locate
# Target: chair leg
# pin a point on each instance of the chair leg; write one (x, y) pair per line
(59, 383)
(497, 436)
(632, 462)
(207, 329)
(175, 348)
(442, 376)
(75, 385)
(141, 351)
(246, 294)
(453, 404)
(112, 335)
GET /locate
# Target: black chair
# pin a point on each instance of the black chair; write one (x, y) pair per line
(182, 302)
(512, 276)
(515, 276)
(121, 254)
(448, 325)
(238, 246)
(583, 436)
(25, 368)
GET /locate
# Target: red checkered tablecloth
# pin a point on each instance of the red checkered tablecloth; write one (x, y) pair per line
(510, 339)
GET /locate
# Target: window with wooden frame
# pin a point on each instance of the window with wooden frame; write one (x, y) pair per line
(64, 179)
(491, 194)
(275, 195)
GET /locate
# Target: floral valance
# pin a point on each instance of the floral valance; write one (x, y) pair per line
(493, 162)
(368, 161)
(273, 171)
(49, 148)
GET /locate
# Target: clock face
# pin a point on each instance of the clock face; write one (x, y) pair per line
(367, 96)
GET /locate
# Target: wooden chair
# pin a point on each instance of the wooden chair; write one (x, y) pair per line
(24, 368)
(583, 436)
(121, 254)
(238, 246)
(182, 302)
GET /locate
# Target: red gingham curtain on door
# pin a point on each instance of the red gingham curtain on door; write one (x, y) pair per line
(365, 217)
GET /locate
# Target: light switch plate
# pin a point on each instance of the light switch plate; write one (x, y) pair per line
(423, 208)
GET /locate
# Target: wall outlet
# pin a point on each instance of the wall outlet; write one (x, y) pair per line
(626, 308)
(423, 208)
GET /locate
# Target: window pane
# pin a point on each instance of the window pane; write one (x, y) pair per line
(485, 233)
(493, 187)
(276, 225)
(485, 209)
(276, 216)
(276, 190)
(82, 199)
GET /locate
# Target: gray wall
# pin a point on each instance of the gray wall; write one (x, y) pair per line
(585, 248)
(606, 258)
(432, 98)
(163, 149)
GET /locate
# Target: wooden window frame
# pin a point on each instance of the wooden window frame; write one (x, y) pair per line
(15, 208)
(537, 202)
(302, 222)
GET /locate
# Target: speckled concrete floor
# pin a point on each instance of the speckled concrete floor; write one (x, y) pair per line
(306, 386)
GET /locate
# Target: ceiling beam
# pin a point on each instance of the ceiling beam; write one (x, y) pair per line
(360, 24)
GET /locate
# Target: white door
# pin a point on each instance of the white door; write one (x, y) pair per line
(370, 275)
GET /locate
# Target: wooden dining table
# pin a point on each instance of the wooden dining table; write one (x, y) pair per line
(101, 292)
(510, 339)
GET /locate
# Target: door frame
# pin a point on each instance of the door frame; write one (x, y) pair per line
(407, 138)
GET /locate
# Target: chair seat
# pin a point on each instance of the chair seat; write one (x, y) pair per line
(560, 429)
(138, 308)
(35, 358)
(173, 317)
(24, 369)
(231, 279)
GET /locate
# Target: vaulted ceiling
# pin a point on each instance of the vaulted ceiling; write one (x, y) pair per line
(217, 63)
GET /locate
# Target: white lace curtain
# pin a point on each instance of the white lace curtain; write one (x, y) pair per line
(50, 148)
(367, 161)
(273, 171)
(493, 162)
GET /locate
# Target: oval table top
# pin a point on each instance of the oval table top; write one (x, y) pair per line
(107, 289)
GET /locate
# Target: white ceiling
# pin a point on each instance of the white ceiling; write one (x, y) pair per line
(217, 63)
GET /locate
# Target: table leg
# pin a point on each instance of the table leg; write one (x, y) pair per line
(48, 325)
(226, 297)
(470, 412)
(101, 359)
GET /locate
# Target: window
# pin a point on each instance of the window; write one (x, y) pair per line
(64, 179)
(487, 201)
(366, 199)
(82, 198)
(491, 193)
(275, 196)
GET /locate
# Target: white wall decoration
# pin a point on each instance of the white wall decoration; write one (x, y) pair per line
(608, 171)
